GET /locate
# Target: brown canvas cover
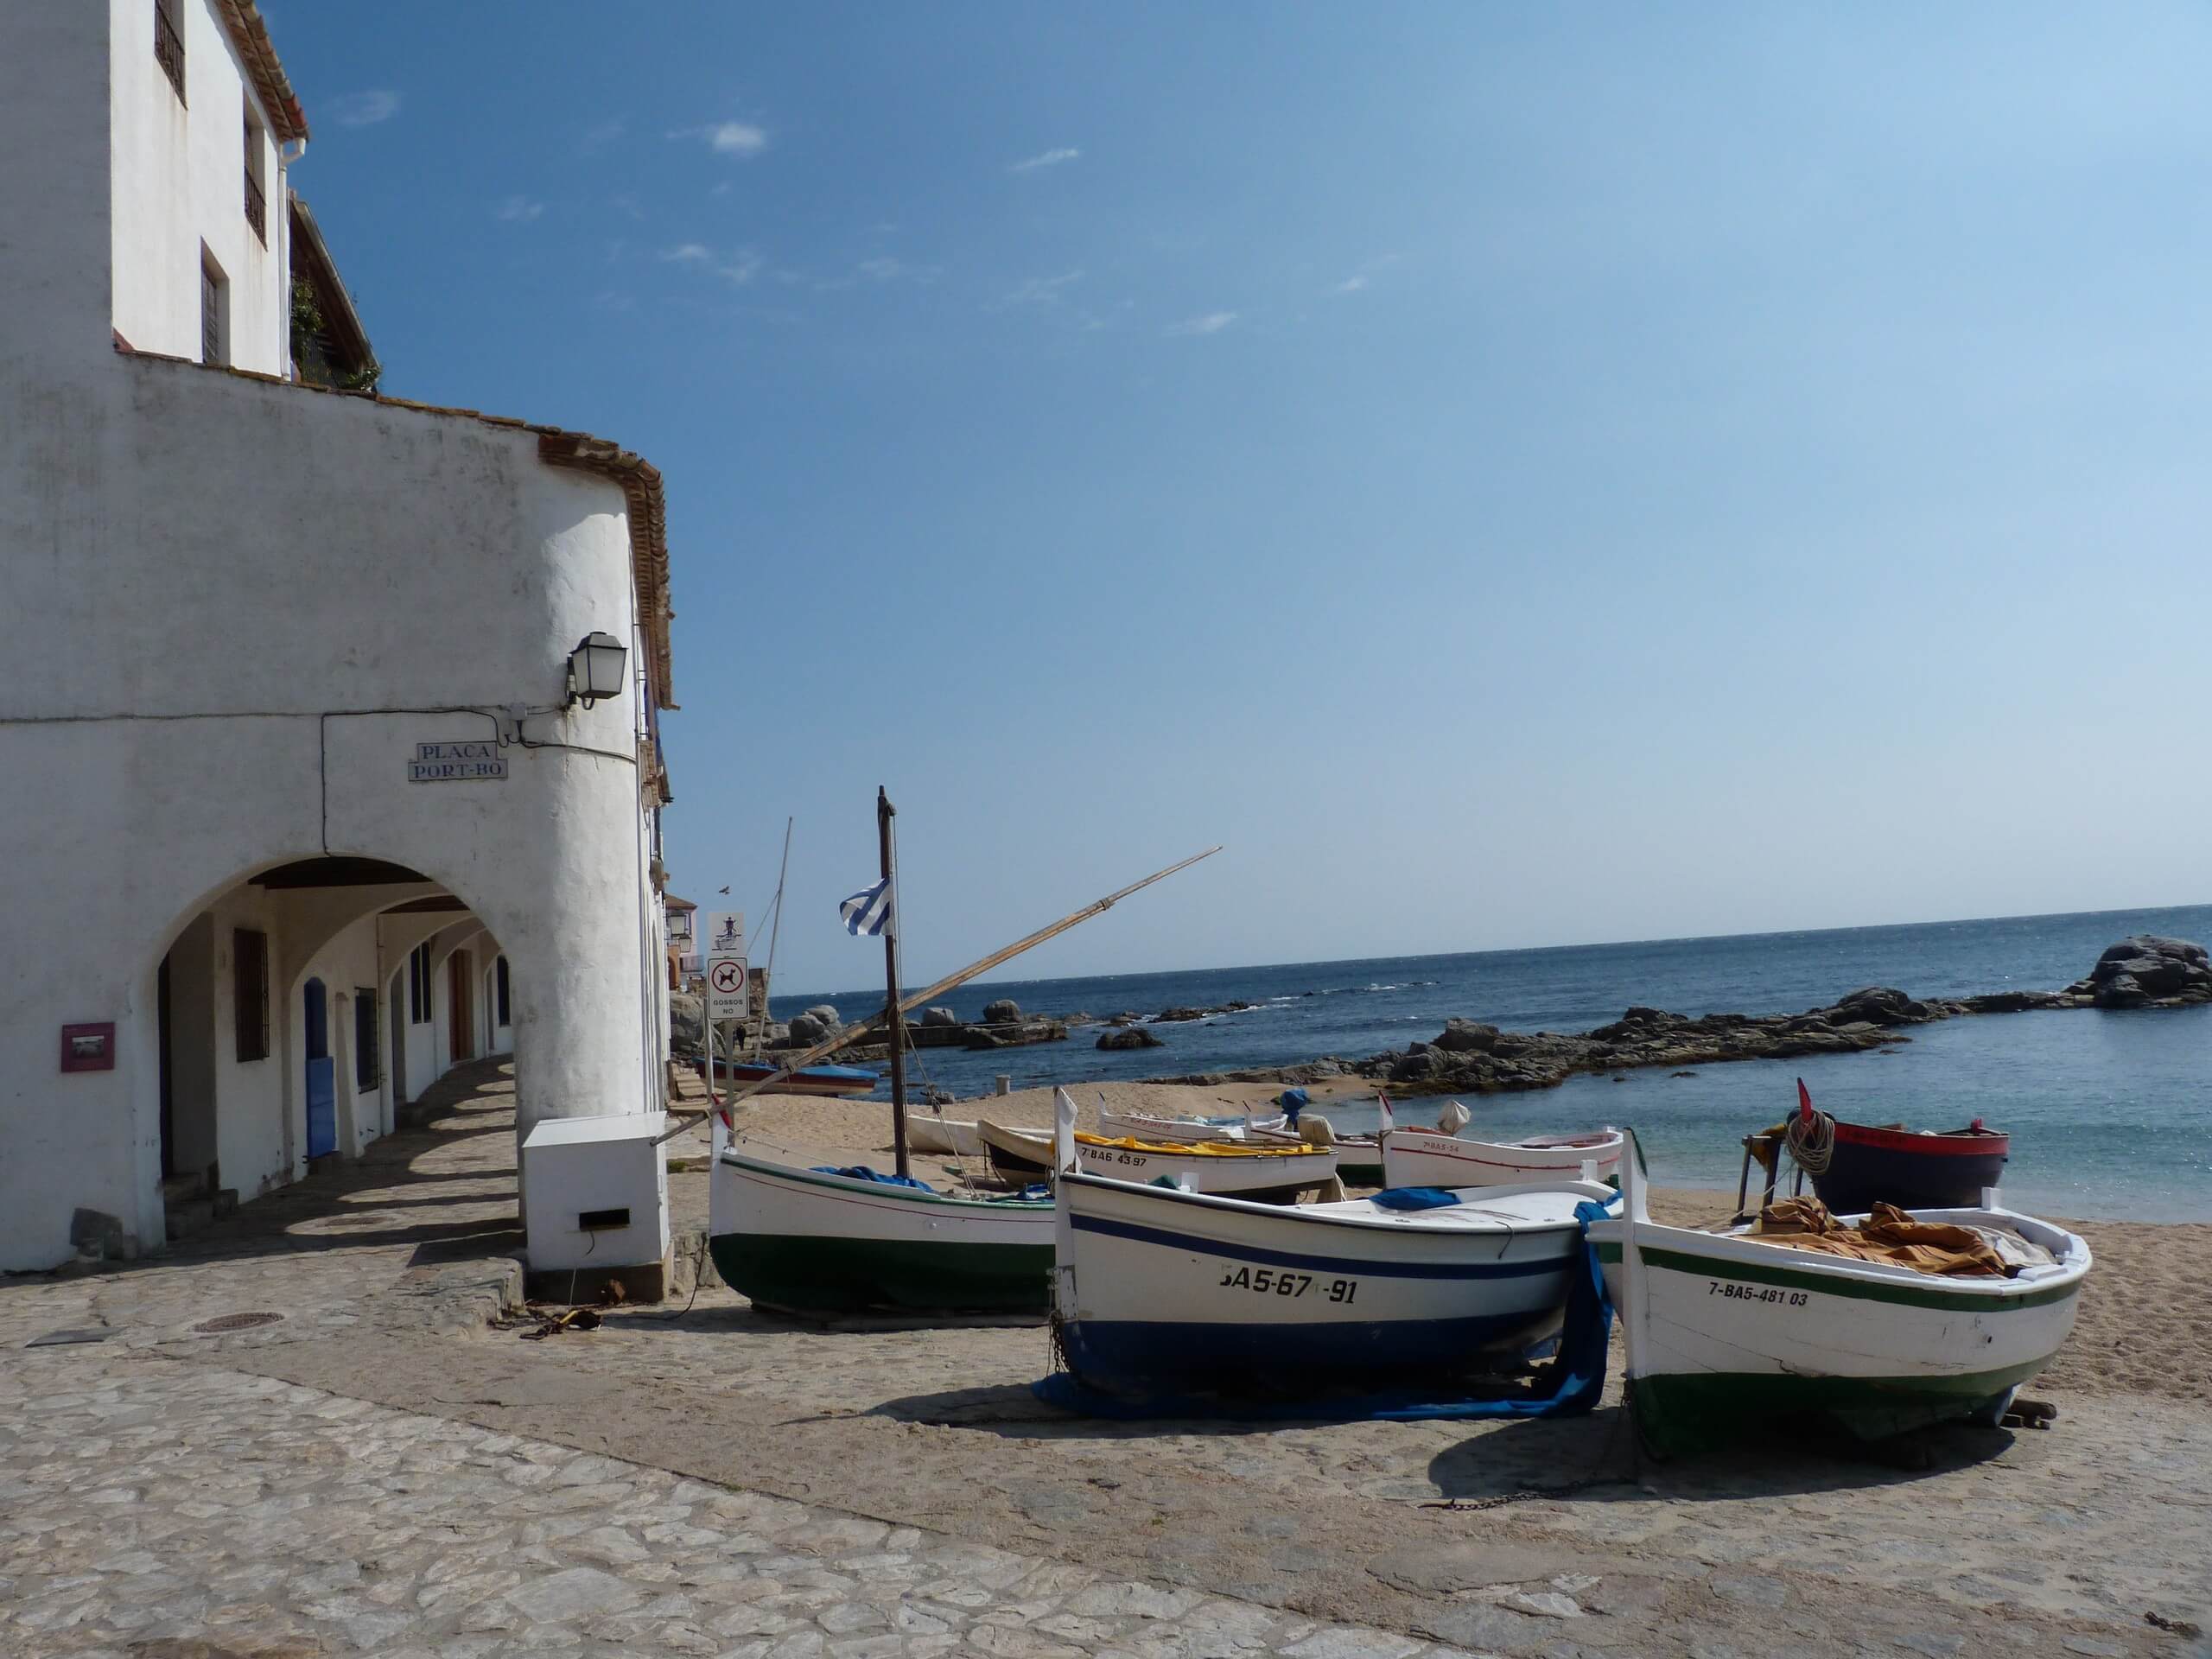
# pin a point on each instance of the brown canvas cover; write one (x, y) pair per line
(1888, 1234)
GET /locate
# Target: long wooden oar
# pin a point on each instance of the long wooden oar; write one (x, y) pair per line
(852, 1034)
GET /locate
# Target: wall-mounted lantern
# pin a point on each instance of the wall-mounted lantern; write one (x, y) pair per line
(595, 668)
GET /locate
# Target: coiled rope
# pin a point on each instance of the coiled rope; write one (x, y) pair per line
(1812, 1140)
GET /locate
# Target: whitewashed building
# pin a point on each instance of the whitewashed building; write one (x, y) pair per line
(301, 803)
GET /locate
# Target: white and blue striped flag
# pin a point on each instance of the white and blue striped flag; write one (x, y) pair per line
(868, 910)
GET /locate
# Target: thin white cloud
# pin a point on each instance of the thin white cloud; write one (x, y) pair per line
(601, 133)
(743, 139)
(1043, 159)
(1041, 291)
(882, 269)
(741, 269)
(363, 109)
(1212, 322)
(687, 253)
(519, 210)
(1361, 278)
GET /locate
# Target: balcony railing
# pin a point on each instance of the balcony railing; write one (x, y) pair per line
(168, 47)
(256, 207)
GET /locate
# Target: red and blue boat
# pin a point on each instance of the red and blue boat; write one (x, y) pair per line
(1854, 1166)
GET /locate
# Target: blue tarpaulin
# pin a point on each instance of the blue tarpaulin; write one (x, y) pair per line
(1415, 1198)
(863, 1172)
(1569, 1386)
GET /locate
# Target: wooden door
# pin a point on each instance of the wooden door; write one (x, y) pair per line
(322, 1073)
(460, 983)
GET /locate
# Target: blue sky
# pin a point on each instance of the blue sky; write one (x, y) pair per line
(1515, 475)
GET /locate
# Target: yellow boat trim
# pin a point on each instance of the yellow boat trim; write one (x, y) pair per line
(1200, 1148)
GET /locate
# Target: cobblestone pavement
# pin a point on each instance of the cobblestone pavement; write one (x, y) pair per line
(377, 1472)
(153, 1508)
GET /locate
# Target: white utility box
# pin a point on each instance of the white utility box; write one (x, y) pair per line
(594, 1200)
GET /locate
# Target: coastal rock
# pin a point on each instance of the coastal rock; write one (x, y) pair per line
(1467, 1037)
(1130, 1037)
(2017, 1001)
(939, 1017)
(1177, 1016)
(1003, 1011)
(1878, 1005)
(687, 1023)
(817, 1025)
(2148, 971)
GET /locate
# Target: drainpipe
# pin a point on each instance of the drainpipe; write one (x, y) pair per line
(286, 155)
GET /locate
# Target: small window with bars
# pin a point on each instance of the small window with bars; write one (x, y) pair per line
(214, 311)
(257, 200)
(418, 986)
(366, 1038)
(169, 43)
(249, 992)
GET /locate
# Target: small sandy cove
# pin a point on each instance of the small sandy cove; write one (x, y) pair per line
(2146, 1323)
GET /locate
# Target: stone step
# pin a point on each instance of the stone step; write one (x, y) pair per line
(188, 1217)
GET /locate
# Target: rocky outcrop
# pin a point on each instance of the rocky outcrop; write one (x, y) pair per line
(2148, 972)
(1182, 1015)
(939, 1017)
(1130, 1037)
(687, 1025)
(818, 1024)
(1003, 1011)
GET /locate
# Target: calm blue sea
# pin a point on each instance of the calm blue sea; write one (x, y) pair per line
(2111, 1114)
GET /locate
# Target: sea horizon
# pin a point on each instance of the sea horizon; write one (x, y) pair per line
(2105, 1107)
(1531, 949)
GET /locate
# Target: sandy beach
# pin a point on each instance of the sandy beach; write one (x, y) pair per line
(2145, 1327)
(1537, 1539)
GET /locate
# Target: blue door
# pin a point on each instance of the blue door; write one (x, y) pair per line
(322, 1074)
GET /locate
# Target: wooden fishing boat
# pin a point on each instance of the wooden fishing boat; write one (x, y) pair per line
(807, 1080)
(1854, 1166)
(1427, 1158)
(818, 1242)
(1159, 1289)
(1265, 1174)
(1142, 1126)
(836, 1241)
(1728, 1330)
(946, 1137)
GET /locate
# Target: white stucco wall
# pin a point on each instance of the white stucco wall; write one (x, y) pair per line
(179, 182)
(237, 588)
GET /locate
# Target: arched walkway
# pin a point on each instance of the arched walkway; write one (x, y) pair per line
(296, 1011)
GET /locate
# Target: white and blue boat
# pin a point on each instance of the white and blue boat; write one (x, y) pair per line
(1158, 1289)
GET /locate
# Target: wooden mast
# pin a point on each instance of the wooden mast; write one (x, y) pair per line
(853, 1033)
(896, 1016)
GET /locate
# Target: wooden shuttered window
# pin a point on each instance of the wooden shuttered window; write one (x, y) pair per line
(249, 992)
(367, 1037)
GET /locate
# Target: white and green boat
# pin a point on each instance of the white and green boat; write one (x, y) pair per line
(1726, 1330)
(811, 1242)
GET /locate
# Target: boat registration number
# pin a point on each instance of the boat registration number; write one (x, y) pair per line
(1757, 1293)
(1266, 1281)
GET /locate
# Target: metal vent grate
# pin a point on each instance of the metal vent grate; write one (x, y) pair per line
(230, 1322)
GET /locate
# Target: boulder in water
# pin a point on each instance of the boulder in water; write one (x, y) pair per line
(2149, 970)
(1467, 1037)
(1003, 1011)
(1130, 1037)
(939, 1017)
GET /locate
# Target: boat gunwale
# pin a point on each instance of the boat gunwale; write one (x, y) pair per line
(847, 1184)
(1939, 1143)
(1684, 1250)
(1399, 1225)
